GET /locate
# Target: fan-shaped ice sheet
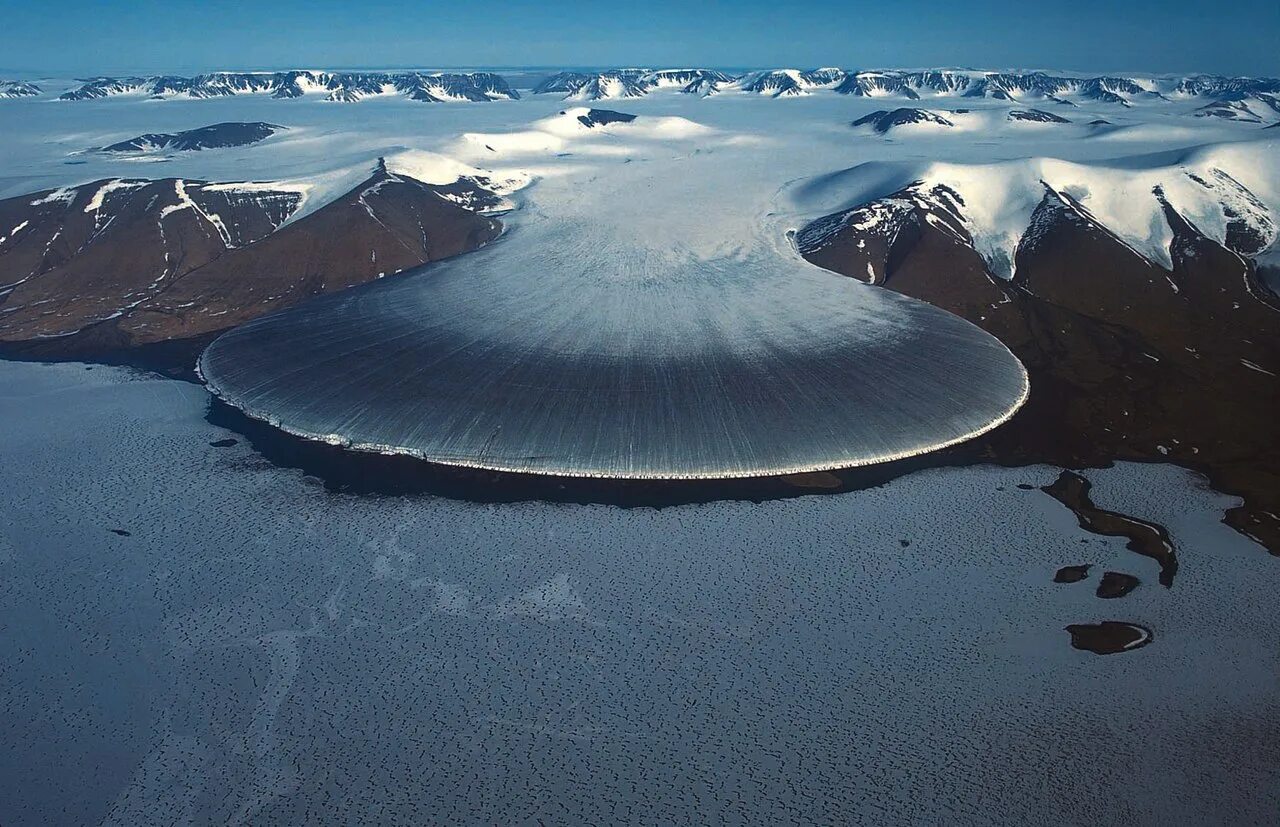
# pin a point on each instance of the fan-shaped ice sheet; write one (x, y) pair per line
(552, 353)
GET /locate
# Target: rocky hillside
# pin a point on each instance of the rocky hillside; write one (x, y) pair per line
(1129, 357)
(120, 263)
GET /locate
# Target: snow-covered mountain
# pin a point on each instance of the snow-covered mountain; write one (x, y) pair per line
(334, 86)
(999, 85)
(18, 89)
(1067, 90)
(1226, 88)
(580, 85)
(578, 130)
(1229, 193)
(625, 83)
(775, 83)
(1261, 95)
(607, 87)
(1132, 291)
(683, 78)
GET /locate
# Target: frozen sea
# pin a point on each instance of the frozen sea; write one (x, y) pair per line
(258, 650)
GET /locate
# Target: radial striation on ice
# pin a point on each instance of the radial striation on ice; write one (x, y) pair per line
(536, 356)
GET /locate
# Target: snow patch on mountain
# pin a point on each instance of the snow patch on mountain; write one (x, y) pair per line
(334, 86)
(1229, 192)
(475, 188)
(626, 83)
(580, 130)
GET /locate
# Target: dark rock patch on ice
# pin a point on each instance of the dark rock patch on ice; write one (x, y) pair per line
(882, 121)
(1109, 637)
(1071, 574)
(603, 117)
(1036, 116)
(1147, 539)
(215, 136)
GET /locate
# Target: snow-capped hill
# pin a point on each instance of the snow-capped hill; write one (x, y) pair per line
(18, 89)
(910, 85)
(827, 76)
(1226, 88)
(1035, 116)
(775, 83)
(882, 121)
(595, 85)
(634, 82)
(1019, 85)
(454, 86)
(334, 86)
(1228, 193)
(782, 83)
(1009, 86)
(607, 87)
(562, 82)
(477, 189)
(216, 136)
(627, 83)
(683, 78)
(579, 130)
(1111, 90)
(939, 81)
(104, 87)
(1244, 101)
(878, 85)
(1012, 86)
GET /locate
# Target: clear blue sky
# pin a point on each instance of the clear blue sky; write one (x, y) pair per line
(1229, 36)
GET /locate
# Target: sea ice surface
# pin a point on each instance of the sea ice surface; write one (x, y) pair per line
(259, 650)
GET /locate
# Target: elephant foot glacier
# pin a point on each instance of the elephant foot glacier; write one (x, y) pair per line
(628, 326)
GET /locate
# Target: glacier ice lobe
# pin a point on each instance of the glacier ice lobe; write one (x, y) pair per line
(645, 318)
(562, 351)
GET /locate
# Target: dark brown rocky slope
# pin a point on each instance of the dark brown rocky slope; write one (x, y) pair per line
(1127, 360)
(117, 264)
